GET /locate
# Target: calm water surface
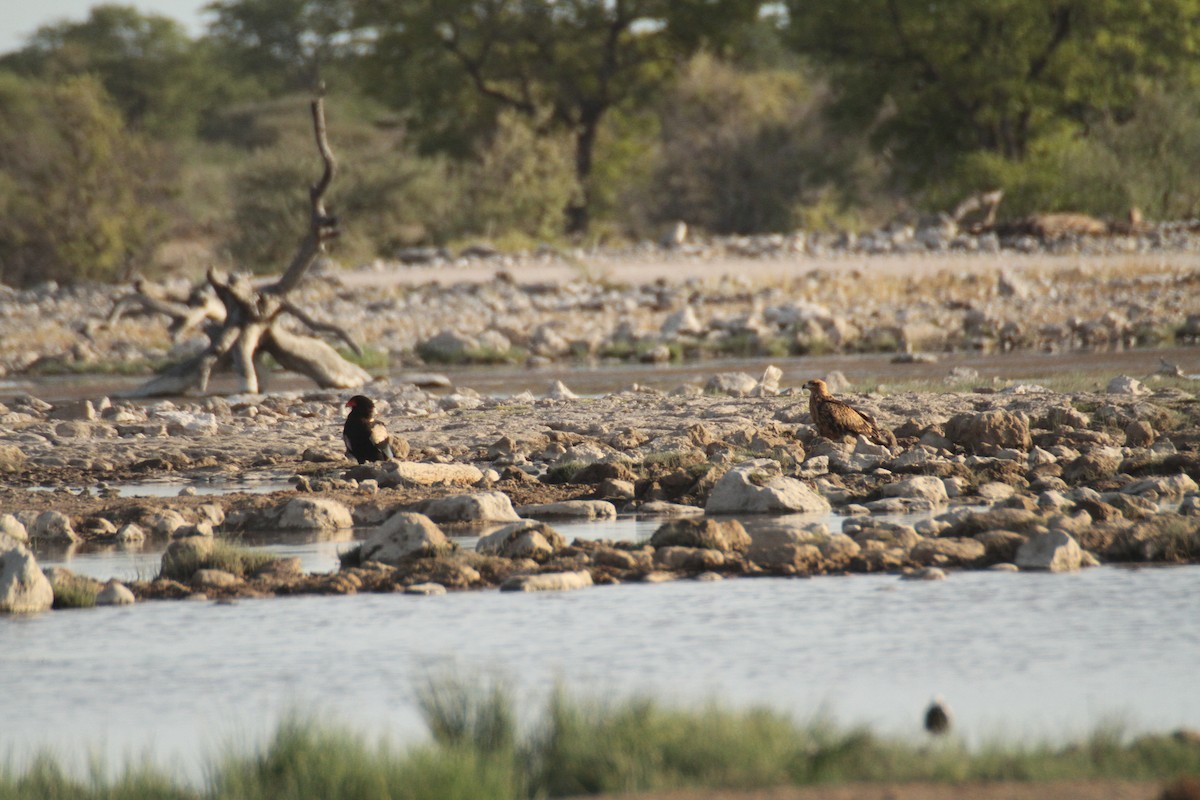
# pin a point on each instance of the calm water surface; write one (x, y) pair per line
(1014, 654)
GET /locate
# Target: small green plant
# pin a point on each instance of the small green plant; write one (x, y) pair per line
(670, 460)
(372, 359)
(564, 472)
(225, 556)
(76, 592)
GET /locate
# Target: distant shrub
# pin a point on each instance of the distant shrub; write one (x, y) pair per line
(745, 151)
(385, 196)
(79, 193)
(521, 181)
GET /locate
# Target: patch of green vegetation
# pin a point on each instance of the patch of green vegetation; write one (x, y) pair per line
(640, 351)
(574, 748)
(76, 592)
(372, 359)
(670, 460)
(564, 472)
(1170, 540)
(813, 346)
(116, 366)
(472, 355)
(226, 556)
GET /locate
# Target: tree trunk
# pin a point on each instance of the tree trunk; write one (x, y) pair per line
(245, 325)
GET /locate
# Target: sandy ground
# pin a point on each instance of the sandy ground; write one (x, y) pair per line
(1051, 790)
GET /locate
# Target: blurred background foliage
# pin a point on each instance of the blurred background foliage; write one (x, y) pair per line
(127, 145)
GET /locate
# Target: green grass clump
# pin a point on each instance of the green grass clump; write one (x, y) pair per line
(564, 472)
(232, 558)
(670, 460)
(76, 592)
(372, 359)
(306, 760)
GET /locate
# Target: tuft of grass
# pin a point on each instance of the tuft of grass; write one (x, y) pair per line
(461, 715)
(76, 592)
(564, 472)
(232, 558)
(670, 460)
(308, 760)
(372, 359)
(473, 355)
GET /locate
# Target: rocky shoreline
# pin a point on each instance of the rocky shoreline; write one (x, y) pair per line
(899, 291)
(1021, 478)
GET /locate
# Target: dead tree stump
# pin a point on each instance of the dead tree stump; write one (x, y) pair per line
(242, 321)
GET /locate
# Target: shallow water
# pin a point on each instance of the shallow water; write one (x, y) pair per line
(863, 370)
(1014, 654)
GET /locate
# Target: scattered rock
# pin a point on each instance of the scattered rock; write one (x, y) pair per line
(988, 431)
(480, 507)
(315, 514)
(1055, 551)
(525, 539)
(23, 587)
(758, 487)
(405, 535)
(548, 582)
(115, 593)
(723, 535)
(571, 509)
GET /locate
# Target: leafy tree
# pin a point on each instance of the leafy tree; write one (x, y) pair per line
(743, 151)
(569, 62)
(288, 44)
(150, 68)
(78, 192)
(937, 80)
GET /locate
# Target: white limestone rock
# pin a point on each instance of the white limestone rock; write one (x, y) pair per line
(1055, 551)
(924, 487)
(115, 593)
(53, 526)
(548, 582)
(479, 507)
(405, 535)
(571, 509)
(759, 487)
(315, 514)
(23, 587)
(524, 539)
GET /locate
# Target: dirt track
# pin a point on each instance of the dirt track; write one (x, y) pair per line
(1055, 790)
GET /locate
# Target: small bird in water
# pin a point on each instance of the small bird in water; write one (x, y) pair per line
(835, 419)
(366, 438)
(937, 717)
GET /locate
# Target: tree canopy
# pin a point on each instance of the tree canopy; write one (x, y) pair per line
(563, 64)
(936, 80)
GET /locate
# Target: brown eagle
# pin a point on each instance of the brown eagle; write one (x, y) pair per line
(835, 419)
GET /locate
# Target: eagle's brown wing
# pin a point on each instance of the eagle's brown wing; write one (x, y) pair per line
(835, 419)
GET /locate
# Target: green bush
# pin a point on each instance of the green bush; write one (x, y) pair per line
(231, 558)
(745, 151)
(79, 192)
(520, 182)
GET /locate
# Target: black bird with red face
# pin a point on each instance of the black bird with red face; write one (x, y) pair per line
(366, 438)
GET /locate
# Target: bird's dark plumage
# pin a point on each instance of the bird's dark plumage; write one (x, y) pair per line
(937, 717)
(835, 419)
(366, 438)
